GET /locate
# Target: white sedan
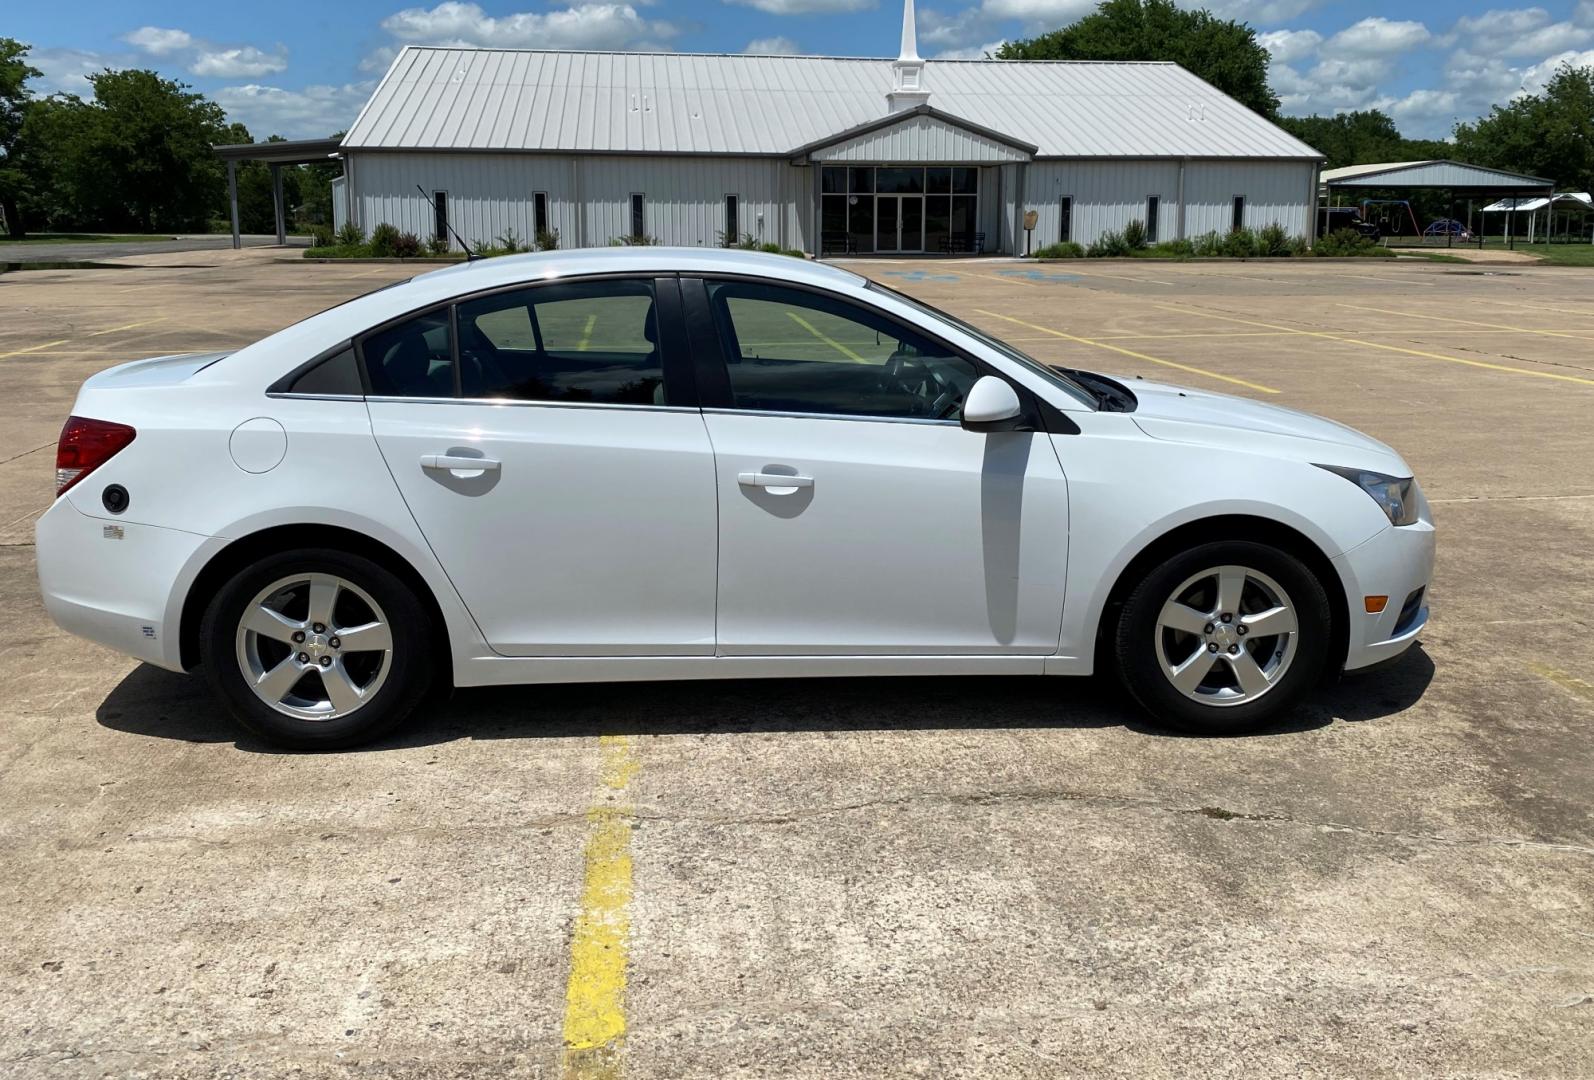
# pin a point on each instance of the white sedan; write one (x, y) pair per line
(674, 464)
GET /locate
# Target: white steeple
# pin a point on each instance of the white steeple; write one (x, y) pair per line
(907, 83)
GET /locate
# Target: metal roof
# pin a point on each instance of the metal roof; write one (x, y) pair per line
(1437, 173)
(687, 103)
(281, 152)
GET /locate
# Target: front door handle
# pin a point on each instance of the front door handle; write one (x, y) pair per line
(458, 463)
(774, 480)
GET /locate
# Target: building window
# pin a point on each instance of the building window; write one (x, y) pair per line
(943, 201)
(440, 215)
(1065, 218)
(733, 224)
(1153, 204)
(539, 213)
(1238, 221)
(639, 218)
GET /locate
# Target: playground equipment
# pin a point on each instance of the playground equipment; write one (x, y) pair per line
(1390, 221)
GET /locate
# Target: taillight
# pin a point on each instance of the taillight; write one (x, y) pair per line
(86, 445)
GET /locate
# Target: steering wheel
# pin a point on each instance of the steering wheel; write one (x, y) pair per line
(916, 378)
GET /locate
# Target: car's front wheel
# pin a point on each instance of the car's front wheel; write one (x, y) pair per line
(1225, 637)
(317, 648)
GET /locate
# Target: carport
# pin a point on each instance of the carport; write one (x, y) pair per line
(1456, 177)
(275, 154)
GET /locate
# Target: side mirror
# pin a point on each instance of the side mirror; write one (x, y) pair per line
(992, 405)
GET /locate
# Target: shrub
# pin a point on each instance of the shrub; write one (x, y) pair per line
(636, 241)
(1134, 235)
(1241, 244)
(1209, 245)
(383, 237)
(1171, 249)
(1109, 245)
(1344, 242)
(547, 239)
(1065, 250)
(320, 235)
(1273, 240)
(509, 243)
(437, 245)
(406, 245)
(350, 235)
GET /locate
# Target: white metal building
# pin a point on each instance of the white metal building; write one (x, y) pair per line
(825, 154)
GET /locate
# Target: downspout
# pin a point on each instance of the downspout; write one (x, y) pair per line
(581, 206)
(1182, 162)
(1311, 222)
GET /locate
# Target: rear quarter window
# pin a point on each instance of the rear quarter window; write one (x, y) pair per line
(337, 375)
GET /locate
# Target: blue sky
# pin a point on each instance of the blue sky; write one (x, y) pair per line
(302, 68)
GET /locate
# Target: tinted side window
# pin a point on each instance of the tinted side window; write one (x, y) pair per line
(593, 341)
(336, 374)
(411, 359)
(789, 350)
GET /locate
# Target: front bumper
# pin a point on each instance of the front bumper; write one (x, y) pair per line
(1397, 563)
(118, 582)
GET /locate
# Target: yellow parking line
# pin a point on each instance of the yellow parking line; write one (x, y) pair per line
(595, 1022)
(1563, 680)
(1458, 322)
(1128, 352)
(1388, 348)
(832, 342)
(126, 326)
(33, 348)
(586, 333)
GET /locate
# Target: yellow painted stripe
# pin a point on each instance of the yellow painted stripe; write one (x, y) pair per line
(33, 348)
(832, 342)
(1387, 348)
(126, 326)
(1457, 322)
(586, 333)
(1136, 355)
(1563, 680)
(595, 1023)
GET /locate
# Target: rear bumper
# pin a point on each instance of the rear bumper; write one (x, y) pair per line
(118, 583)
(1397, 563)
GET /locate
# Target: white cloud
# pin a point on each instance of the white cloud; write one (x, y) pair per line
(378, 59)
(159, 41)
(1053, 12)
(1289, 46)
(772, 46)
(1535, 77)
(584, 26)
(1377, 36)
(200, 57)
(975, 52)
(804, 7)
(1518, 32)
(309, 113)
(1256, 12)
(1584, 15)
(243, 62)
(66, 71)
(1422, 109)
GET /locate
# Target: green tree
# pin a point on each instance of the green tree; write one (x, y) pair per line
(1549, 134)
(1223, 52)
(15, 71)
(1360, 138)
(136, 157)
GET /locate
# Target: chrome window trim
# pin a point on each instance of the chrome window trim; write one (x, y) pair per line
(923, 420)
(315, 397)
(525, 403)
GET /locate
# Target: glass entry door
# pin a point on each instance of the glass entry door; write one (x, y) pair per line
(899, 223)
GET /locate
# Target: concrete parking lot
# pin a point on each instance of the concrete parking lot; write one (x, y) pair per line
(852, 879)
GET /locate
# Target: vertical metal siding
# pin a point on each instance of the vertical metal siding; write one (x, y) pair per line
(589, 197)
(921, 139)
(1110, 194)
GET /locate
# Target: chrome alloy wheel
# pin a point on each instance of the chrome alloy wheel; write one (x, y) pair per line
(314, 646)
(1226, 636)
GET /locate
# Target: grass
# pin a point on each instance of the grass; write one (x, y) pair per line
(1576, 254)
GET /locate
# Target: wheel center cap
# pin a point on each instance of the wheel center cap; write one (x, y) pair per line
(316, 645)
(1223, 634)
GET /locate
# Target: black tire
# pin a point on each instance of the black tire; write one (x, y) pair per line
(1141, 668)
(409, 668)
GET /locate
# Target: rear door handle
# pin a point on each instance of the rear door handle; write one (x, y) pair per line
(773, 480)
(458, 463)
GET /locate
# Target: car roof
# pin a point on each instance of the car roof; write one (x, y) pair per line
(544, 265)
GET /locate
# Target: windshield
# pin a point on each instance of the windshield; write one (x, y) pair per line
(1054, 377)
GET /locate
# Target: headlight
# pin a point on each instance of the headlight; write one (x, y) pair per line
(1396, 496)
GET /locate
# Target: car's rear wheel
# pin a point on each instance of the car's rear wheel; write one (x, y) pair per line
(1224, 638)
(317, 648)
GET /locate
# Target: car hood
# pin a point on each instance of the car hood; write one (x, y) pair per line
(1180, 414)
